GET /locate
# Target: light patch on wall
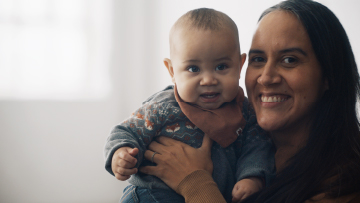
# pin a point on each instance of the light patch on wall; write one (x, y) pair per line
(54, 49)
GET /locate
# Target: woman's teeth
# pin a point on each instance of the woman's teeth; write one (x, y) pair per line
(273, 99)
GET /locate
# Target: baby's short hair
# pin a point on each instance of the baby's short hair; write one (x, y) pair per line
(205, 19)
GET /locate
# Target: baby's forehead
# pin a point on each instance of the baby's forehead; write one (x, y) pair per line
(180, 30)
(185, 31)
(195, 42)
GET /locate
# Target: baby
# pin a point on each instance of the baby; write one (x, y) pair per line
(205, 65)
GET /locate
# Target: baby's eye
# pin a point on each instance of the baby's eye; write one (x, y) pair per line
(193, 69)
(290, 60)
(221, 67)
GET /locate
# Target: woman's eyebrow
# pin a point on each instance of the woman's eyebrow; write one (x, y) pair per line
(295, 49)
(256, 51)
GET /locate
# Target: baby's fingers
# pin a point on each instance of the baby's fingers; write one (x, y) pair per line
(121, 177)
(246, 195)
(127, 154)
(126, 171)
(125, 164)
(237, 194)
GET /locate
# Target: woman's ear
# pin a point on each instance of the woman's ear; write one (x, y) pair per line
(169, 67)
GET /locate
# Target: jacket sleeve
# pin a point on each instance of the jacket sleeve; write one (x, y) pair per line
(136, 131)
(256, 155)
(199, 187)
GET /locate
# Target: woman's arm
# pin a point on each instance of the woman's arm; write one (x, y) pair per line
(198, 187)
(185, 169)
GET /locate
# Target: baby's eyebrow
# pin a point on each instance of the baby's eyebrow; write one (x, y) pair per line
(191, 61)
(226, 58)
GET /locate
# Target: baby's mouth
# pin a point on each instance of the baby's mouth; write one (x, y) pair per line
(209, 95)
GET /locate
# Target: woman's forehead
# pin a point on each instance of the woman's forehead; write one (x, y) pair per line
(280, 29)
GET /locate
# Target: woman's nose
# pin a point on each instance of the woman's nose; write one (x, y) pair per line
(208, 80)
(269, 75)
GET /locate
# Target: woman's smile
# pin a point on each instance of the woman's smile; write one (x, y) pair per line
(273, 98)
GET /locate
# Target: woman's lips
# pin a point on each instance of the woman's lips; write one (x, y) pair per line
(273, 98)
(210, 97)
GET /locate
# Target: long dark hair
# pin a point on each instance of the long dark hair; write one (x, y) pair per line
(330, 162)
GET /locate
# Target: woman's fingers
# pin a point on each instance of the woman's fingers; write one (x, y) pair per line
(176, 160)
(149, 155)
(205, 153)
(172, 173)
(156, 147)
(168, 141)
(206, 144)
(150, 170)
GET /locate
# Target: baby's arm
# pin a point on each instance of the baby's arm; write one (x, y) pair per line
(130, 134)
(123, 162)
(135, 132)
(255, 154)
(246, 187)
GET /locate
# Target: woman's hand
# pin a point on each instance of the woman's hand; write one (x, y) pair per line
(175, 160)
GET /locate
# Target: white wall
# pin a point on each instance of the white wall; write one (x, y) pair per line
(53, 151)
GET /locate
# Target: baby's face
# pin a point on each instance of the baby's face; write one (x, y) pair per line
(205, 66)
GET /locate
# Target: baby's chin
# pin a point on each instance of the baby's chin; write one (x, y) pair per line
(209, 106)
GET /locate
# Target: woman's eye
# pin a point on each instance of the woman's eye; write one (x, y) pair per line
(193, 69)
(221, 67)
(257, 59)
(289, 60)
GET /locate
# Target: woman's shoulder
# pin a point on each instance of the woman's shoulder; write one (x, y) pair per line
(323, 198)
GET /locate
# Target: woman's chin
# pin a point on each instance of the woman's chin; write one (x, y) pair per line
(270, 125)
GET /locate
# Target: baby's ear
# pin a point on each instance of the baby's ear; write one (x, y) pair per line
(169, 67)
(242, 61)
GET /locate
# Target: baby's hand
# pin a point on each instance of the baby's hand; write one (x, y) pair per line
(246, 187)
(123, 162)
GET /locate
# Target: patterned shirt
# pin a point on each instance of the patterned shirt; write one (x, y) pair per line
(252, 154)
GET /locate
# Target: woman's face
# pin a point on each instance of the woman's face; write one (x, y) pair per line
(283, 78)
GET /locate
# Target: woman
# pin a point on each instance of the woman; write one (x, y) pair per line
(300, 58)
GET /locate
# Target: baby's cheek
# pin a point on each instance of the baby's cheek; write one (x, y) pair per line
(186, 95)
(232, 91)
